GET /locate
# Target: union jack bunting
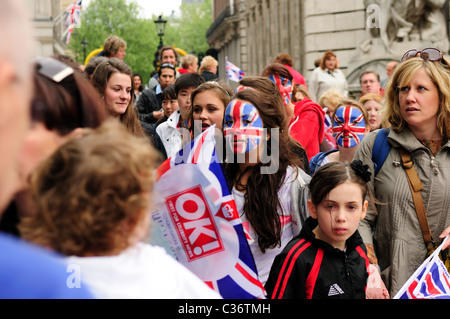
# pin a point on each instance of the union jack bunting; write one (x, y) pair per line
(430, 281)
(73, 19)
(201, 223)
(348, 126)
(233, 72)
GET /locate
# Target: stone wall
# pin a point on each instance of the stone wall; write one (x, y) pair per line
(260, 29)
(333, 25)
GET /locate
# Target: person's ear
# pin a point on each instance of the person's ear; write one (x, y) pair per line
(364, 209)
(312, 209)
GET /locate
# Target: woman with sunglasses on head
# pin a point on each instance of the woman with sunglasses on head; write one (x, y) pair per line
(417, 107)
(63, 103)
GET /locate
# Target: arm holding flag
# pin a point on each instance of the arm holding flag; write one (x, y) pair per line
(201, 223)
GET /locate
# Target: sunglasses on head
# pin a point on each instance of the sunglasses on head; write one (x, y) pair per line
(167, 65)
(428, 54)
(52, 69)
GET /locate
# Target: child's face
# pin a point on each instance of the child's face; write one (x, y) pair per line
(184, 101)
(169, 106)
(208, 109)
(339, 214)
(349, 127)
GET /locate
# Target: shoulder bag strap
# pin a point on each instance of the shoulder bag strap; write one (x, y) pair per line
(416, 186)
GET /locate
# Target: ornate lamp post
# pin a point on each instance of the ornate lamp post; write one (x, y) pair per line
(84, 43)
(160, 27)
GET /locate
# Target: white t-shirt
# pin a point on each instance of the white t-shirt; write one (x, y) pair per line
(142, 271)
(264, 261)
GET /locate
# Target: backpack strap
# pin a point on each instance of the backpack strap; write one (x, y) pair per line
(381, 148)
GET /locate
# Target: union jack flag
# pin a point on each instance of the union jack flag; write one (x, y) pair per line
(348, 126)
(233, 72)
(201, 223)
(243, 127)
(73, 19)
(331, 141)
(430, 281)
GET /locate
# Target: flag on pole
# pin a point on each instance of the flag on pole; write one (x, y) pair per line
(73, 18)
(200, 221)
(233, 72)
(430, 281)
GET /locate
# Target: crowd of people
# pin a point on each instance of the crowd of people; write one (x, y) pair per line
(81, 144)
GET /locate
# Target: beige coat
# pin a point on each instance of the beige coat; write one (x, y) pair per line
(397, 236)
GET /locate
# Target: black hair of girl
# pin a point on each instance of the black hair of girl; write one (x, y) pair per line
(169, 93)
(261, 202)
(331, 175)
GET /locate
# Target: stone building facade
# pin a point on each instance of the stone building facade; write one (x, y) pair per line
(364, 34)
(48, 25)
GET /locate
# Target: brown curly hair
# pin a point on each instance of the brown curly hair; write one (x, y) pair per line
(92, 192)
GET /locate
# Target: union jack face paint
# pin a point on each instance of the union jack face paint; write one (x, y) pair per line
(348, 126)
(243, 127)
(284, 87)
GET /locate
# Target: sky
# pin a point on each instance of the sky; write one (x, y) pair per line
(156, 7)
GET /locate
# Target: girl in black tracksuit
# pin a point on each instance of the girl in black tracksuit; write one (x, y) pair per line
(328, 258)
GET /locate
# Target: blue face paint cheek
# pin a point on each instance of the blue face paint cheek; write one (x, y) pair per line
(248, 108)
(258, 123)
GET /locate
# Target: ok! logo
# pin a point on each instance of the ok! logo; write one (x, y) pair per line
(194, 223)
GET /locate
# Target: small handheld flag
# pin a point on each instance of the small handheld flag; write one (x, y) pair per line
(201, 224)
(430, 281)
(233, 72)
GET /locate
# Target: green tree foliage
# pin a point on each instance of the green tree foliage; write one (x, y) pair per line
(101, 18)
(189, 31)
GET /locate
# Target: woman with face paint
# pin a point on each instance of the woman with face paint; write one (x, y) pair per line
(264, 173)
(306, 117)
(350, 123)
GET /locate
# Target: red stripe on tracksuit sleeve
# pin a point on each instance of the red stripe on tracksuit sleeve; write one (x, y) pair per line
(288, 262)
(312, 277)
(363, 255)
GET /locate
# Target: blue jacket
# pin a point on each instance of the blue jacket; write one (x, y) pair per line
(316, 160)
(30, 272)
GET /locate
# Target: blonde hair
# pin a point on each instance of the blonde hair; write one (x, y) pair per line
(206, 64)
(439, 73)
(188, 60)
(92, 192)
(370, 97)
(330, 99)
